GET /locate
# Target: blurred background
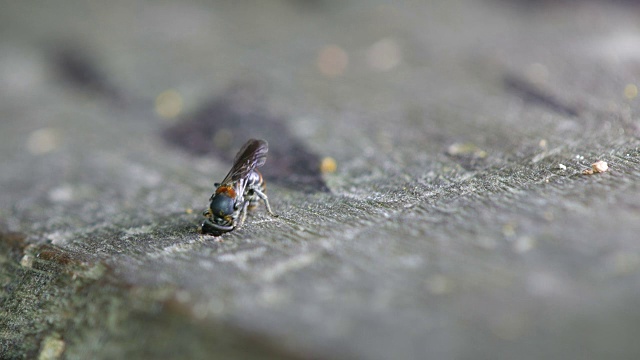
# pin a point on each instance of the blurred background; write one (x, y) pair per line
(426, 158)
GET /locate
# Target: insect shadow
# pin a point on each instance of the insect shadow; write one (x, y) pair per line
(223, 124)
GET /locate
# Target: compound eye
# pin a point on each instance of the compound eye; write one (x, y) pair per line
(221, 205)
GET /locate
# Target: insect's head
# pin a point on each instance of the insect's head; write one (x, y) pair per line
(222, 205)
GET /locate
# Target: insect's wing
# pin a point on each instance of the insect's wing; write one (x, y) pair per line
(252, 155)
(253, 152)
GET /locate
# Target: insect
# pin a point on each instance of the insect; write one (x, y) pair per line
(241, 190)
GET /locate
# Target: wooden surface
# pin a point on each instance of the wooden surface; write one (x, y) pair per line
(456, 225)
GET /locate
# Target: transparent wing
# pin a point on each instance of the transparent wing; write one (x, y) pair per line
(252, 155)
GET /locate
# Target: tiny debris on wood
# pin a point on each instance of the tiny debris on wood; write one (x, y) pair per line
(328, 165)
(466, 149)
(597, 167)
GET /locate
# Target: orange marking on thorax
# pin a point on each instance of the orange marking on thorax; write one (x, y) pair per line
(227, 190)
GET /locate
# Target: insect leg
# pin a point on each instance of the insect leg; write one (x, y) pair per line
(243, 213)
(264, 198)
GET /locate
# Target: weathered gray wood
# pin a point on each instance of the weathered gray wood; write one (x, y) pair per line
(459, 224)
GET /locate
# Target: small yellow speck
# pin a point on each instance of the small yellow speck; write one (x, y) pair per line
(189, 211)
(27, 261)
(509, 229)
(630, 91)
(543, 143)
(52, 348)
(169, 104)
(328, 165)
(466, 149)
(43, 141)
